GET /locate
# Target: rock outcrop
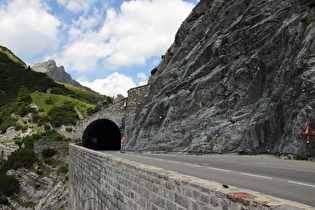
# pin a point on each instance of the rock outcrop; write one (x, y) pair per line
(46, 189)
(239, 77)
(57, 73)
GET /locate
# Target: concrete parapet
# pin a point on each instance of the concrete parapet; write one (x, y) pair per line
(101, 181)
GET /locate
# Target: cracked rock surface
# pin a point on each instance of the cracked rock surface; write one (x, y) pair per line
(239, 77)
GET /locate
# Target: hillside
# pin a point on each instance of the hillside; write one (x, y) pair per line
(239, 77)
(34, 108)
(26, 91)
(14, 73)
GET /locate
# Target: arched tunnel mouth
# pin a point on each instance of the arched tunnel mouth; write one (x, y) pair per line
(102, 134)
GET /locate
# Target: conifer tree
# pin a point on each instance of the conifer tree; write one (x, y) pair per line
(24, 99)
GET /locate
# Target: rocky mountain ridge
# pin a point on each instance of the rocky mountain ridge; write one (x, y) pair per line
(239, 77)
(57, 73)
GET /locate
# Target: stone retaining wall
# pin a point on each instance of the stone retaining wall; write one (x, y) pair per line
(121, 112)
(135, 97)
(40, 146)
(101, 181)
(115, 112)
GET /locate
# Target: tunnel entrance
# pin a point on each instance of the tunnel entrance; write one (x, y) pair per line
(102, 134)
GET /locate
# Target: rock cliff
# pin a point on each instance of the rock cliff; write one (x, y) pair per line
(57, 73)
(239, 77)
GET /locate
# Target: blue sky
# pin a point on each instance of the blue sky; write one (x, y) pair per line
(107, 45)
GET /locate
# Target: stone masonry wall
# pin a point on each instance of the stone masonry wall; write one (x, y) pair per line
(115, 112)
(100, 181)
(121, 112)
(40, 146)
(135, 97)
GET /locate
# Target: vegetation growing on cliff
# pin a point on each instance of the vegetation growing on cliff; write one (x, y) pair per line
(311, 3)
(34, 105)
(14, 75)
(26, 158)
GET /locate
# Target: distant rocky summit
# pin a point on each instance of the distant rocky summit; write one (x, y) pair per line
(239, 77)
(57, 73)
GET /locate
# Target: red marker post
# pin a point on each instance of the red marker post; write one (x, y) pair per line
(123, 142)
(308, 132)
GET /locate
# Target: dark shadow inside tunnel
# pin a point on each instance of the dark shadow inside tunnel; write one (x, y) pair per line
(102, 134)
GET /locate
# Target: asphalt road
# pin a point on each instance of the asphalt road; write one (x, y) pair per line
(287, 179)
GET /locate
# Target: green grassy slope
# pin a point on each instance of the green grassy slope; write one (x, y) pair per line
(88, 96)
(13, 75)
(47, 101)
(57, 104)
(45, 93)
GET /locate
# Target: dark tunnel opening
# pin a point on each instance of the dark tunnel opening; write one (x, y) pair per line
(102, 134)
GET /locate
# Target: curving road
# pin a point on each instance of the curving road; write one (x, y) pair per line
(287, 179)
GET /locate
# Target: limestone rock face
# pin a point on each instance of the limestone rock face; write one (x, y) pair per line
(57, 73)
(239, 77)
(47, 191)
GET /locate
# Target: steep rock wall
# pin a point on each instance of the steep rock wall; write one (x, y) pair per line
(239, 77)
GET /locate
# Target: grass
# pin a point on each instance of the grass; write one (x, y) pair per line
(311, 3)
(86, 95)
(25, 204)
(9, 53)
(300, 156)
(14, 75)
(62, 169)
(57, 100)
(47, 136)
(48, 152)
(256, 153)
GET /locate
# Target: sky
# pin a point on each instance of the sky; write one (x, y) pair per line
(107, 45)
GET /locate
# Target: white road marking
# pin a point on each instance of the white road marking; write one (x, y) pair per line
(131, 155)
(258, 176)
(300, 183)
(219, 169)
(171, 161)
(189, 164)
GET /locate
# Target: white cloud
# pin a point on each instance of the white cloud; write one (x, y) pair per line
(91, 37)
(143, 78)
(139, 30)
(112, 85)
(77, 5)
(84, 54)
(156, 62)
(27, 28)
(89, 22)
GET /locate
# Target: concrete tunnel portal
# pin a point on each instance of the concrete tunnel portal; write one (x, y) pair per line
(102, 134)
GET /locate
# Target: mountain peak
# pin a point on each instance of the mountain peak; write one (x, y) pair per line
(45, 67)
(57, 73)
